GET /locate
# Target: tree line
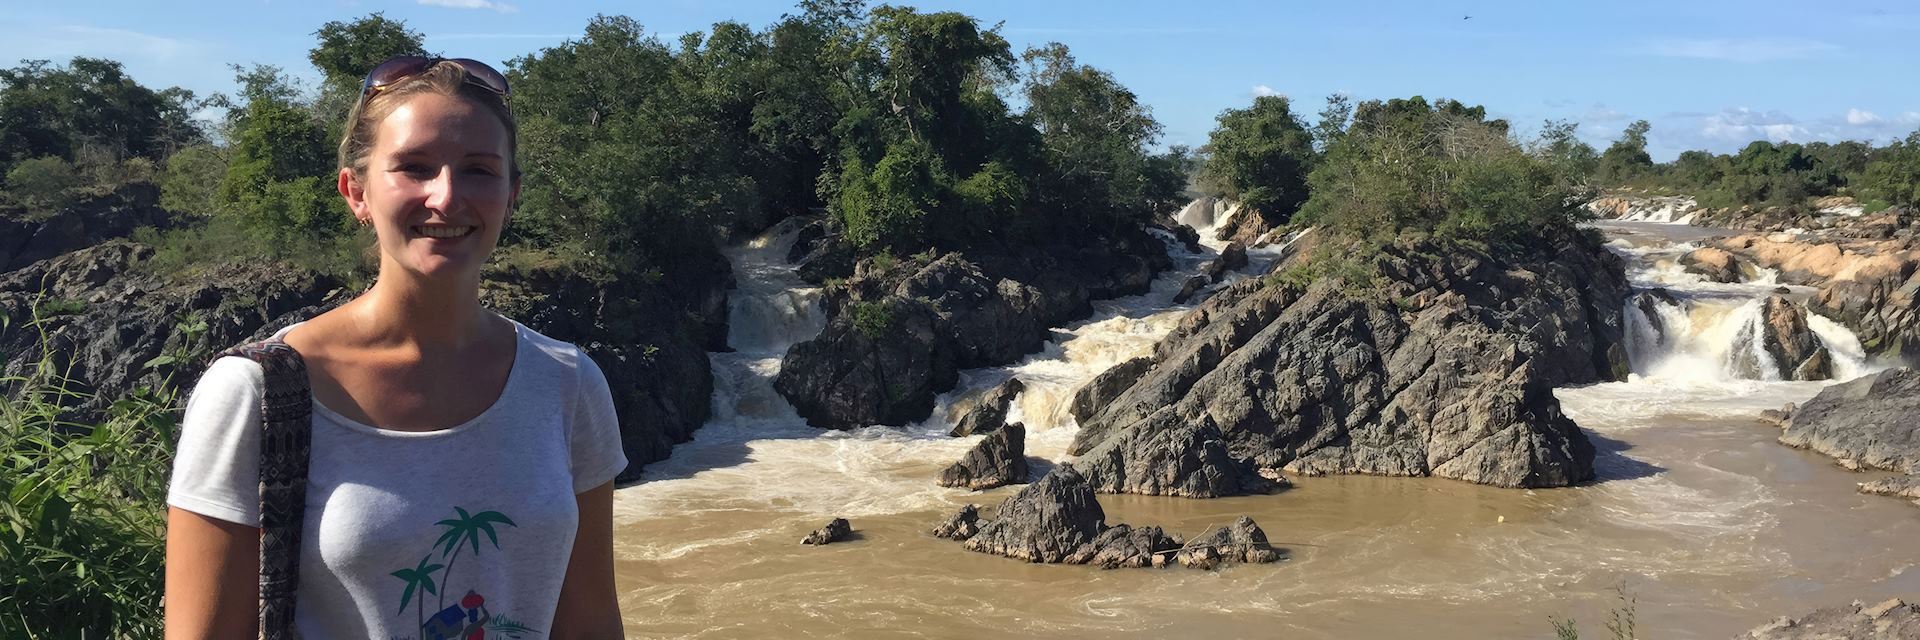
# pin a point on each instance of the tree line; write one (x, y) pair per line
(637, 151)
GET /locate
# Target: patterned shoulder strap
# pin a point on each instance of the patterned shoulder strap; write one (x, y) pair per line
(286, 437)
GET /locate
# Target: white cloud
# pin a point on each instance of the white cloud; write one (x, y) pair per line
(1858, 117)
(1264, 90)
(501, 7)
(1748, 50)
(1741, 125)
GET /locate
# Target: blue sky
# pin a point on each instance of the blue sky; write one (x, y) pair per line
(1708, 74)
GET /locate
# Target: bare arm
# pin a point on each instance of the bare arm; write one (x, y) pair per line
(589, 607)
(213, 577)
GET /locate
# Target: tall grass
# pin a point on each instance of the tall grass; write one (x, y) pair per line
(82, 504)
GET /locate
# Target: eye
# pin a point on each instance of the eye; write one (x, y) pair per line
(412, 169)
(481, 169)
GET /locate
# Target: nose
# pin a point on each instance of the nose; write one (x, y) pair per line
(440, 191)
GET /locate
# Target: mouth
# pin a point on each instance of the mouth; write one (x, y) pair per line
(442, 231)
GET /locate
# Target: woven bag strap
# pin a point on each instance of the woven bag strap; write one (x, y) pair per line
(286, 439)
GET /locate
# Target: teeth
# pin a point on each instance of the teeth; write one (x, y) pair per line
(443, 232)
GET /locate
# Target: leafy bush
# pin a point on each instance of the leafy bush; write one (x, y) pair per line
(872, 319)
(1261, 157)
(191, 183)
(82, 506)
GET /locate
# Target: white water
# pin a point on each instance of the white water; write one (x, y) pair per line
(1715, 527)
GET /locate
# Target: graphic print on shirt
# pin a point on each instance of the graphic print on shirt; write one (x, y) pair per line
(467, 618)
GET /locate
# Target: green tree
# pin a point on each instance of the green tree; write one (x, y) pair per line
(1094, 134)
(1560, 146)
(1627, 159)
(347, 51)
(43, 185)
(1333, 121)
(1261, 156)
(89, 105)
(1894, 176)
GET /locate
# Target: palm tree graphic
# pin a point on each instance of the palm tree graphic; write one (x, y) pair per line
(420, 576)
(465, 531)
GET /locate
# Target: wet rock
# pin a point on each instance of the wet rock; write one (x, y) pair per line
(1239, 542)
(1243, 225)
(1777, 417)
(1166, 455)
(1105, 387)
(987, 412)
(1123, 546)
(1795, 353)
(1907, 486)
(1194, 284)
(1449, 372)
(1714, 263)
(998, 460)
(1867, 423)
(1889, 620)
(835, 531)
(1234, 256)
(1047, 521)
(961, 525)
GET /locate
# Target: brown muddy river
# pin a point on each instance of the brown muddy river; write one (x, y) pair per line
(1709, 525)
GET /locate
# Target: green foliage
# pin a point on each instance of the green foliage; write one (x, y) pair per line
(1574, 159)
(82, 506)
(44, 185)
(1627, 158)
(89, 105)
(346, 52)
(1261, 157)
(1439, 169)
(191, 182)
(890, 206)
(1894, 176)
(279, 178)
(1093, 133)
(872, 319)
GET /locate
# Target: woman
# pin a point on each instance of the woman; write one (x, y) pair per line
(461, 471)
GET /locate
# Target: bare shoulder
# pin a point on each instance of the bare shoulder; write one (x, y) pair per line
(311, 338)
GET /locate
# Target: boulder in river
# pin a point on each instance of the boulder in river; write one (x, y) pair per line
(1714, 263)
(998, 460)
(1907, 486)
(1194, 284)
(1869, 423)
(988, 411)
(1240, 542)
(1889, 620)
(835, 531)
(1047, 521)
(1123, 545)
(1794, 351)
(961, 525)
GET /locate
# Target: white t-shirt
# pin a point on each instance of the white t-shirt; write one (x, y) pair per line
(421, 534)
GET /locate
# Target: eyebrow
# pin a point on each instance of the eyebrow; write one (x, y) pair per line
(400, 153)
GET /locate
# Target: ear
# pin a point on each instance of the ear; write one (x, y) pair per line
(354, 193)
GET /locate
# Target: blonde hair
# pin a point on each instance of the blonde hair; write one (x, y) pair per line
(445, 78)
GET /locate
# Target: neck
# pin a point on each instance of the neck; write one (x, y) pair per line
(406, 308)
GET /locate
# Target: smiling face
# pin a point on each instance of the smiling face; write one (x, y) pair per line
(437, 188)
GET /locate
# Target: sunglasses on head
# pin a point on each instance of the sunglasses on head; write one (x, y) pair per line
(398, 68)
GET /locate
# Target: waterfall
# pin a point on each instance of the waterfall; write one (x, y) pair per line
(769, 310)
(1711, 339)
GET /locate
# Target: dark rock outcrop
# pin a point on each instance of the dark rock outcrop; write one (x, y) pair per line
(988, 411)
(1243, 225)
(1000, 459)
(1239, 542)
(111, 317)
(1103, 388)
(961, 525)
(1234, 256)
(104, 317)
(835, 531)
(1047, 521)
(1448, 371)
(1796, 354)
(1869, 423)
(1888, 620)
(900, 328)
